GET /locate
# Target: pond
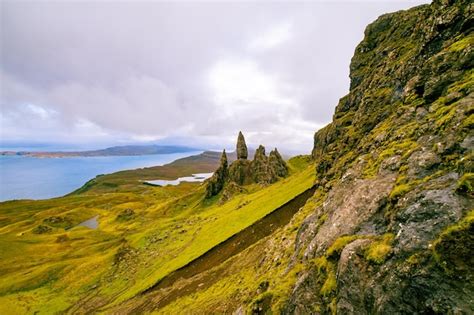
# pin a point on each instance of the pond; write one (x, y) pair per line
(92, 223)
(200, 177)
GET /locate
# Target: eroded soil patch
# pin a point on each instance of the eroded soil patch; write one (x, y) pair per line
(163, 293)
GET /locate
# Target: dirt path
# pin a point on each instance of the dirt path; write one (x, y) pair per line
(162, 293)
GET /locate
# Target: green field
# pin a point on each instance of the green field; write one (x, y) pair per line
(144, 233)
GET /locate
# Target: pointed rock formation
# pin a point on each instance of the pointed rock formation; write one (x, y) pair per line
(277, 163)
(218, 179)
(240, 172)
(261, 172)
(242, 152)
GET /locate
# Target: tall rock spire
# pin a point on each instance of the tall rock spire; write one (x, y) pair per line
(277, 163)
(242, 152)
(217, 181)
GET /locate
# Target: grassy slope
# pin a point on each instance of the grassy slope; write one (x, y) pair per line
(82, 269)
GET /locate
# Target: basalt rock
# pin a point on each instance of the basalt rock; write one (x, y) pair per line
(261, 171)
(277, 164)
(240, 172)
(242, 152)
(394, 163)
(218, 179)
(230, 190)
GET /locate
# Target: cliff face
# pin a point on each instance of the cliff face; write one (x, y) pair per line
(395, 229)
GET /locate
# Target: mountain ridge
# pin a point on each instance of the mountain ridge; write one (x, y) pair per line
(124, 150)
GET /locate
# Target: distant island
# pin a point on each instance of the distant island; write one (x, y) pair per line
(126, 150)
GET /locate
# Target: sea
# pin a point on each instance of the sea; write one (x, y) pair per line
(23, 177)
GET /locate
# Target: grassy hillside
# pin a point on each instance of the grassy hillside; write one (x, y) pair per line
(51, 265)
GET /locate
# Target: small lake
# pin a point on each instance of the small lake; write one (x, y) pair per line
(40, 178)
(92, 223)
(200, 177)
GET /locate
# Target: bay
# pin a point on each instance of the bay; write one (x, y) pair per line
(41, 178)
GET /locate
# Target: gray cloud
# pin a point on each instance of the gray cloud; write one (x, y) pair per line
(95, 71)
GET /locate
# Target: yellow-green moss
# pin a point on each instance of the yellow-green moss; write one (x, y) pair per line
(466, 184)
(468, 123)
(378, 250)
(333, 306)
(453, 248)
(399, 191)
(462, 44)
(419, 257)
(330, 284)
(336, 248)
(402, 148)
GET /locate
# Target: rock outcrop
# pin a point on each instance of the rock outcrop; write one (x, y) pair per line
(242, 152)
(393, 170)
(262, 169)
(217, 181)
(240, 172)
(277, 164)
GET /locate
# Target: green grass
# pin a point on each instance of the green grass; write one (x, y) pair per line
(227, 221)
(170, 226)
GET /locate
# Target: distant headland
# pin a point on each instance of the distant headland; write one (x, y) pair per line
(126, 150)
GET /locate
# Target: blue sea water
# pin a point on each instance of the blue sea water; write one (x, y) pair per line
(40, 178)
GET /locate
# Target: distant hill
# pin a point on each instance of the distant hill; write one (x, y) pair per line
(126, 150)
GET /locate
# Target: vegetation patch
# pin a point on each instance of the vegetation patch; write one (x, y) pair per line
(454, 247)
(261, 304)
(334, 251)
(462, 44)
(465, 184)
(126, 215)
(399, 190)
(378, 251)
(42, 229)
(58, 222)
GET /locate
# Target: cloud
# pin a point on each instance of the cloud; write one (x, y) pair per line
(186, 72)
(271, 38)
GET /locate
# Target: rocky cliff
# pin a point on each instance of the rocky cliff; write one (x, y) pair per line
(394, 233)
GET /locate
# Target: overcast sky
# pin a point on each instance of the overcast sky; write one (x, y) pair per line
(111, 72)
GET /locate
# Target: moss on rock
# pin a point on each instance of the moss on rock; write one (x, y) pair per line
(454, 248)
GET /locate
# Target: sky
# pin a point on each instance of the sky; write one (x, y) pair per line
(189, 73)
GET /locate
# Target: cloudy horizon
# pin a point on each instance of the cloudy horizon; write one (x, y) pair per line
(188, 73)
